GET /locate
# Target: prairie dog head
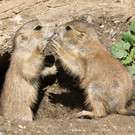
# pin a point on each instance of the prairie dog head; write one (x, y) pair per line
(31, 34)
(76, 33)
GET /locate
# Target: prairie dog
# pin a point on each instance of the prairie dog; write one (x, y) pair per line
(108, 85)
(27, 62)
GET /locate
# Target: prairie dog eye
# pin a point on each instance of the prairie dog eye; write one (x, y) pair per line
(83, 34)
(68, 28)
(37, 28)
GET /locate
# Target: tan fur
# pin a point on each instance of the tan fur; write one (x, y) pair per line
(108, 85)
(27, 61)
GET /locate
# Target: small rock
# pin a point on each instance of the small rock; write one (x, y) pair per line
(20, 126)
(116, 21)
(61, 105)
(17, 19)
(132, 19)
(89, 19)
(71, 125)
(1, 32)
(129, 126)
(39, 132)
(102, 26)
(112, 33)
(106, 31)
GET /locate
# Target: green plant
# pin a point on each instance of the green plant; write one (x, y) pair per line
(125, 49)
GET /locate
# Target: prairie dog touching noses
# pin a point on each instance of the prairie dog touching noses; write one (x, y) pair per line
(27, 62)
(108, 85)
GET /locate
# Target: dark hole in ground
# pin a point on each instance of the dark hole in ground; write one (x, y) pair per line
(2, 78)
(4, 64)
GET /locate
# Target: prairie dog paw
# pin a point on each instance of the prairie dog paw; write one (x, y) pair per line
(49, 71)
(84, 114)
(58, 48)
(42, 46)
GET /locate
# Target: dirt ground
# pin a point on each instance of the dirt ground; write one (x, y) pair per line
(60, 99)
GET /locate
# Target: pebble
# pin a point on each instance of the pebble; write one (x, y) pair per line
(17, 18)
(89, 19)
(102, 26)
(116, 21)
(20, 126)
(112, 33)
(39, 132)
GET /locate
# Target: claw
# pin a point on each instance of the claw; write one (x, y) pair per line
(56, 43)
(85, 114)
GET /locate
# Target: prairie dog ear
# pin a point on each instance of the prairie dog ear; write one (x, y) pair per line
(19, 39)
(23, 38)
(80, 36)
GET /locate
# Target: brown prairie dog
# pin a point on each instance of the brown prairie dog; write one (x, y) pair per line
(27, 61)
(108, 85)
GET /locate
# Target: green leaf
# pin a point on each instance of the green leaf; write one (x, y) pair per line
(131, 68)
(133, 77)
(124, 45)
(128, 37)
(127, 60)
(133, 96)
(132, 26)
(132, 53)
(119, 50)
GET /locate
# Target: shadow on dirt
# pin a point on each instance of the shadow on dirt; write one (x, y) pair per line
(74, 97)
(44, 82)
